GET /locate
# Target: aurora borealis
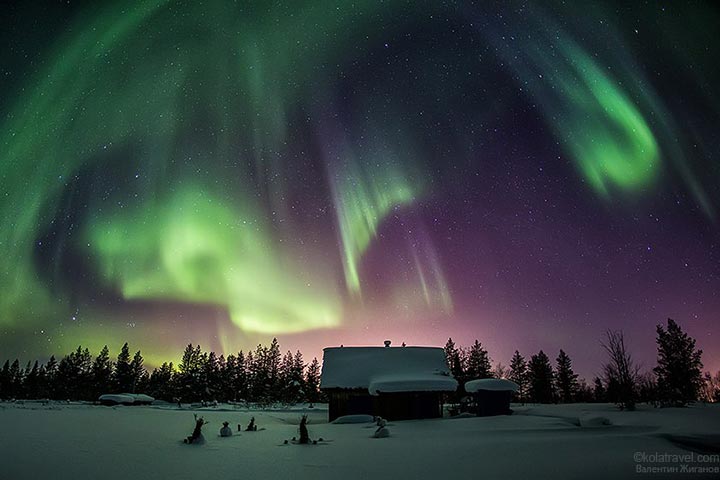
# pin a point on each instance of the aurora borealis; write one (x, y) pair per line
(529, 174)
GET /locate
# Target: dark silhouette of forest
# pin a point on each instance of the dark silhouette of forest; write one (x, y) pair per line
(266, 376)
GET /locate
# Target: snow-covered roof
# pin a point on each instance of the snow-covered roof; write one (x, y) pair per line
(387, 369)
(495, 384)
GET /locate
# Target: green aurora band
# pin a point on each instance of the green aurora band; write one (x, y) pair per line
(600, 127)
(126, 83)
(187, 91)
(195, 248)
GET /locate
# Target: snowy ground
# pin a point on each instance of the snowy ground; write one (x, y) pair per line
(62, 441)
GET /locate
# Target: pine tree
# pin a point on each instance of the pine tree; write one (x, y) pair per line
(209, 375)
(123, 378)
(298, 376)
(15, 380)
(240, 388)
(519, 374)
(679, 368)
(33, 384)
(74, 376)
(160, 383)
(260, 375)
(138, 374)
(454, 360)
(312, 381)
(218, 380)
(5, 381)
(540, 378)
(566, 378)
(250, 376)
(189, 384)
(228, 381)
(24, 381)
(273, 371)
(102, 373)
(50, 373)
(286, 367)
(478, 363)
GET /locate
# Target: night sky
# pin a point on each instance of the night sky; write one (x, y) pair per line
(529, 174)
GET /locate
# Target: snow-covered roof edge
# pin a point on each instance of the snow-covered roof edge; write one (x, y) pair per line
(494, 384)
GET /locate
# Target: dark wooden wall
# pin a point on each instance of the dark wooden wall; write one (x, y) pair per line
(488, 403)
(392, 406)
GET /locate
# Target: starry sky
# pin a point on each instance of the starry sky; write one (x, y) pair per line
(529, 174)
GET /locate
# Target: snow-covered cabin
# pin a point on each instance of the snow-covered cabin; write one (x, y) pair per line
(396, 383)
(491, 396)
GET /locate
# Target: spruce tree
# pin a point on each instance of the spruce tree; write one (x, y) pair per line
(15, 380)
(160, 383)
(228, 377)
(188, 383)
(138, 374)
(102, 373)
(74, 375)
(240, 379)
(50, 374)
(679, 368)
(5, 381)
(478, 363)
(286, 366)
(123, 378)
(32, 384)
(312, 381)
(453, 357)
(260, 374)
(218, 379)
(566, 378)
(273, 371)
(250, 370)
(540, 378)
(298, 375)
(209, 376)
(519, 374)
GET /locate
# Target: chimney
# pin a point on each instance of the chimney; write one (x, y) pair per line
(387, 343)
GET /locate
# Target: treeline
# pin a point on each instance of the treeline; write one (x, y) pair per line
(676, 380)
(264, 376)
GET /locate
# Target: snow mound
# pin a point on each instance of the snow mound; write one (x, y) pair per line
(141, 398)
(116, 399)
(125, 399)
(464, 415)
(354, 419)
(594, 421)
(493, 384)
